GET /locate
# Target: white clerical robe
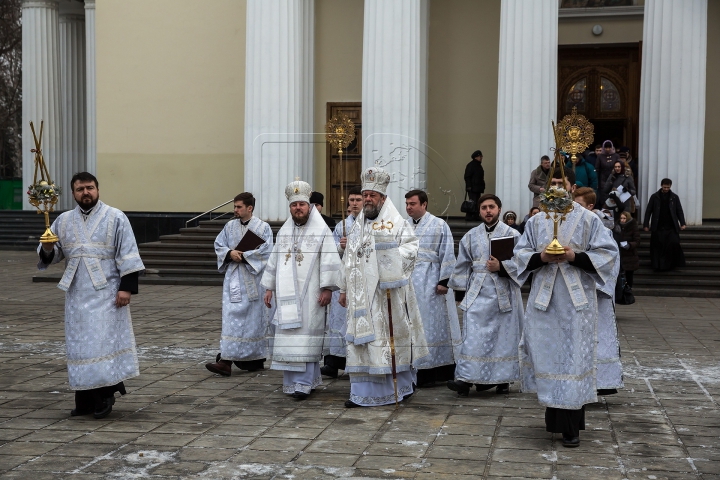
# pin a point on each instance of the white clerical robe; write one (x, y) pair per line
(337, 317)
(492, 309)
(304, 261)
(435, 262)
(379, 258)
(559, 344)
(245, 319)
(99, 337)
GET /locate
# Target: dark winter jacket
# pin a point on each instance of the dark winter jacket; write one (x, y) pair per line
(629, 260)
(474, 177)
(585, 175)
(604, 166)
(653, 211)
(614, 181)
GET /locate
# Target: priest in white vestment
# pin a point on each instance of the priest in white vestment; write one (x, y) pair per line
(492, 306)
(102, 265)
(245, 320)
(335, 349)
(609, 366)
(559, 343)
(379, 260)
(436, 302)
(301, 274)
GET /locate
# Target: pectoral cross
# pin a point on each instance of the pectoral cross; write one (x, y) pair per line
(287, 256)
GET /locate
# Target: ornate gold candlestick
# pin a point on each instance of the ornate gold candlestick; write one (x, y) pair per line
(339, 133)
(43, 192)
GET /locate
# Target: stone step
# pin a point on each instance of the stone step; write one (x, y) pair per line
(639, 291)
(194, 264)
(708, 283)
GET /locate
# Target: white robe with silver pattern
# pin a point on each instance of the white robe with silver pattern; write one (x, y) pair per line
(560, 330)
(245, 319)
(99, 337)
(303, 262)
(337, 317)
(435, 262)
(492, 309)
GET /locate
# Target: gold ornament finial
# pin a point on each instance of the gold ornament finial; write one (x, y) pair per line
(339, 133)
(573, 134)
(45, 191)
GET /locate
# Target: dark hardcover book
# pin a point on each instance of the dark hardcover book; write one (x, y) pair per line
(250, 241)
(502, 248)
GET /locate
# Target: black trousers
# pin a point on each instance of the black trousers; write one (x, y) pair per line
(476, 213)
(568, 422)
(90, 400)
(334, 361)
(437, 374)
(629, 277)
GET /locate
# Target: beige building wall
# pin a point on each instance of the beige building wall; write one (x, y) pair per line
(338, 67)
(462, 100)
(711, 170)
(578, 31)
(170, 103)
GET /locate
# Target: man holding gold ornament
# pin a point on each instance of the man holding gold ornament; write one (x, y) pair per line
(102, 265)
(559, 341)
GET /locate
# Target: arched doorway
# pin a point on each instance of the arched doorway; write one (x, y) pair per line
(604, 84)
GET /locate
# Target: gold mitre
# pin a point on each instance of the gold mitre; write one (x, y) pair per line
(375, 179)
(298, 191)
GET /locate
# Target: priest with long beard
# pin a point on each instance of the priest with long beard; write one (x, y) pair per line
(377, 265)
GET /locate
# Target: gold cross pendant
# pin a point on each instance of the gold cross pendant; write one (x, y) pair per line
(287, 257)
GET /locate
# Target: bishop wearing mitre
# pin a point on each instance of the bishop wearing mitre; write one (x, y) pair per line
(301, 274)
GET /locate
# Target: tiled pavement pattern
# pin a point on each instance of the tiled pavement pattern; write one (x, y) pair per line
(179, 421)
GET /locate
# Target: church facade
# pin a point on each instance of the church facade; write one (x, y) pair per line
(178, 105)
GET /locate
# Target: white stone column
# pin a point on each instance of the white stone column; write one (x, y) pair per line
(72, 85)
(527, 96)
(394, 92)
(672, 101)
(279, 74)
(41, 89)
(90, 116)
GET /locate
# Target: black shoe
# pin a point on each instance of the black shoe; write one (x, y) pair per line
(300, 395)
(104, 409)
(329, 371)
(462, 388)
(606, 391)
(351, 404)
(482, 387)
(570, 442)
(503, 389)
(79, 413)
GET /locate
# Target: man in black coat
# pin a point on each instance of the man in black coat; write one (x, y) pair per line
(474, 183)
(317, 198)
(667, 220)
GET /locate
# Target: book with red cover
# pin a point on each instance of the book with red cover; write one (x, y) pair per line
(502, 248)
(250, 241)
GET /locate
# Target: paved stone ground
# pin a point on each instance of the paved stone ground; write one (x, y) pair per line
(179, 421)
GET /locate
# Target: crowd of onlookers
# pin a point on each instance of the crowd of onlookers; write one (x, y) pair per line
(606, 183)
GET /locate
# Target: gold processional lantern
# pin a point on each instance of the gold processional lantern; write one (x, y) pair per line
(573, 134)
(43, 191)
(339, 133)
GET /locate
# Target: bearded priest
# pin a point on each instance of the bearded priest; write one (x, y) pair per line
(492, 304)
(102, 265)
(380, 255)
(302, 274)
